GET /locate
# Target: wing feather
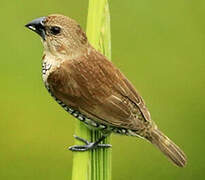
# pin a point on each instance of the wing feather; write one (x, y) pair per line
(92, 85)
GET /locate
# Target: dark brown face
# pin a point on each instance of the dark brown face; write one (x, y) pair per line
(61, 35)
(40, 27)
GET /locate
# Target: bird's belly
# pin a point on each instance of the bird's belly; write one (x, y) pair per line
(46, 69)
(86, 120)
(90, 123)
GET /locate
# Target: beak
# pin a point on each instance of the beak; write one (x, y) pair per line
(38, 26)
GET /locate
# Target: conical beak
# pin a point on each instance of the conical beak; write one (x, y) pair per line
(38, 26)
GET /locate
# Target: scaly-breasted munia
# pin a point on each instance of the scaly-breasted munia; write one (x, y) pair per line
(88, 86)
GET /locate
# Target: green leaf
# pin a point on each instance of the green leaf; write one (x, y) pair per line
(95, 164)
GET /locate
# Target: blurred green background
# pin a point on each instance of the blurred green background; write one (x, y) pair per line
(159, 45)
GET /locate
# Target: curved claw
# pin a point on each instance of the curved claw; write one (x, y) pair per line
(78, 148)
(81, 139)
(88, 145)
(104, 145)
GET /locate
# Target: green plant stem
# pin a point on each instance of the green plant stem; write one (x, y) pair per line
(95, 164)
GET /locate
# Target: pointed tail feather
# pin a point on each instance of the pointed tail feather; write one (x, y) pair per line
(171, 150)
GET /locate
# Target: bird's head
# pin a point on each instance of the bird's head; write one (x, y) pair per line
(60, 35)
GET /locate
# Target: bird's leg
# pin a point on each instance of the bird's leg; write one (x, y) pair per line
(89, 145)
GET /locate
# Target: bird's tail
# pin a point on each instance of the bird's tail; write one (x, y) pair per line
(167, 147)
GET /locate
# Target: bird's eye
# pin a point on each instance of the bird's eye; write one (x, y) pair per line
(55, 30)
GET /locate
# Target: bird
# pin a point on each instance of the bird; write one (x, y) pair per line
(92, 89)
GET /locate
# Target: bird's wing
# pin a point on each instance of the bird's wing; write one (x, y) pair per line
(92, 85)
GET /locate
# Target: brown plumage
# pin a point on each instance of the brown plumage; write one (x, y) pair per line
(86, 84)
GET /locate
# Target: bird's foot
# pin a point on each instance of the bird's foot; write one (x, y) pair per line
(88, 145)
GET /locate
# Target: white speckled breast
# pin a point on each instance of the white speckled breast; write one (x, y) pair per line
(48, 65)
(45, 70)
